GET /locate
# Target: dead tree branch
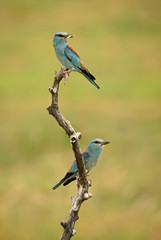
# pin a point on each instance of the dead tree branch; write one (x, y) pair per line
(82, 183)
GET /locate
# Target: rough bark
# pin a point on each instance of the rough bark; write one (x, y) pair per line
(82, 183)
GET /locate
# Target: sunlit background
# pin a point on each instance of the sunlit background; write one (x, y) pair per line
(120, 42)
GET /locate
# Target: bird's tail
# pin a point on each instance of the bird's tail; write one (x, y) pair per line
(90, 77)
(67, 177)
(58, 184)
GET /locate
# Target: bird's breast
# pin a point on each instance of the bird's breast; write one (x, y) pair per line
(91, 163)
(60, 52)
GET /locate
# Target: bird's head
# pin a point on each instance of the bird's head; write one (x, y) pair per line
(97, 145)
(61, 37)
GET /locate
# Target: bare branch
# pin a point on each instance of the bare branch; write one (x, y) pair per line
(82, 183)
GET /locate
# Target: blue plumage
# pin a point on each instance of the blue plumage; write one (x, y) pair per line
(90, 157)
(69, 57)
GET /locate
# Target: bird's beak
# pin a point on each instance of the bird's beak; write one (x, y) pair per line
(69, 36)
(104, 143)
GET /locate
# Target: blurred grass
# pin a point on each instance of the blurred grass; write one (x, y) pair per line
(119, 41)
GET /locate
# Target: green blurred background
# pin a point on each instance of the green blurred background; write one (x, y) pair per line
(120, 42)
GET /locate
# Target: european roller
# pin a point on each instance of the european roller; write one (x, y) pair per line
(69, 57)
(90, 157)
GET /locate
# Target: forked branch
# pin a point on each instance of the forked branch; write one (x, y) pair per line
(82, 183)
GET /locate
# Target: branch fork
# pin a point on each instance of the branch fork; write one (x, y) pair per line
(82, 183)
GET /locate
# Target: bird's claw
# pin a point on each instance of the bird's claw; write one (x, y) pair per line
(66, 75)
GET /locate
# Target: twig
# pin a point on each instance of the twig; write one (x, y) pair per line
(82, 183)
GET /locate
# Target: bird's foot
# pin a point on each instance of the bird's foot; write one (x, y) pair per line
(69, 71)
(66, 74)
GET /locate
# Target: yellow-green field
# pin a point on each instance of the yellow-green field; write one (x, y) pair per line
(120, 42)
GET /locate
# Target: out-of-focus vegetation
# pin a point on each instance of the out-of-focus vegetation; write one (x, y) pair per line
(119, 42)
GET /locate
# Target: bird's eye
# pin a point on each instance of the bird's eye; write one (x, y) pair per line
(60, 35)
(97, 142)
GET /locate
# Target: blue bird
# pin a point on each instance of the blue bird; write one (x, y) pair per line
(90, 157)
(69, 57)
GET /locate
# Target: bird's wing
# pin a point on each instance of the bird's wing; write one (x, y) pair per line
(85, 156)
(78, 65)
(71, 175)
(74, 168)
(69, 181)
(67, 176)
(74, 57)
